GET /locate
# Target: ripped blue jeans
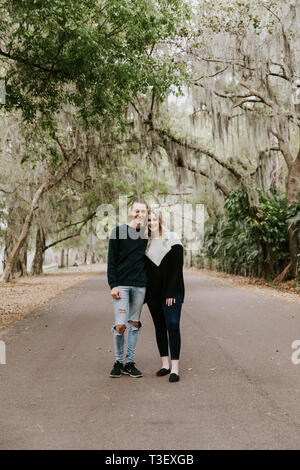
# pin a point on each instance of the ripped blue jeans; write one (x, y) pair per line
(127, 308)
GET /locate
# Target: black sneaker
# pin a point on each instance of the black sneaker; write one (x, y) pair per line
(131, 370)
(117, 369)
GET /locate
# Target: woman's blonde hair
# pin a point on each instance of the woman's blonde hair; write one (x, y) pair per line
(162, 229)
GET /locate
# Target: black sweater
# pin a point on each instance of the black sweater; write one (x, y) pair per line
(126, 257)
(165, 280)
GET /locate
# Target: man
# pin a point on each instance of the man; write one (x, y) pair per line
(126, 274)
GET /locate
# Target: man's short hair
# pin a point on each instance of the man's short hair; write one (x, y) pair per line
(139, 201)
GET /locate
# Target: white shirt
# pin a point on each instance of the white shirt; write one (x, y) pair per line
(159, 247)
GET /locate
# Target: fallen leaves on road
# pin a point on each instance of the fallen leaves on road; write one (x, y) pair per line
(287, 291)
(21, 296)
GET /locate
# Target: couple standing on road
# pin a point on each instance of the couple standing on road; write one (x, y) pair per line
(145, 263)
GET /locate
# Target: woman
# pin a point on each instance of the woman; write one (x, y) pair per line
(165, 291)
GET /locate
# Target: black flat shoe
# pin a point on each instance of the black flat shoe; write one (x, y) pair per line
(174, 378)
(162, 372)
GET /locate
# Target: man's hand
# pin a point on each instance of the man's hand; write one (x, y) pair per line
(169, 302)
(115, 293)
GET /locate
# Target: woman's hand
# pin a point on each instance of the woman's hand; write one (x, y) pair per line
(169, 302)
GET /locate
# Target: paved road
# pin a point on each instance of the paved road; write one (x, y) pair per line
(238, 388)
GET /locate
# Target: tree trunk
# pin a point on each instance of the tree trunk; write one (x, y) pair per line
(34, 205)
(293, 180)
(37, 263)
(23, 236)
(62, 259)
(283, 274)
(20, 265)
(23, 261)
(269, 269)
(292, 189)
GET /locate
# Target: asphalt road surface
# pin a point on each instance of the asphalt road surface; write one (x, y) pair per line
(239, 388)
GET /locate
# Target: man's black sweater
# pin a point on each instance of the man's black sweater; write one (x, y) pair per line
(166, 280)
(126, 257)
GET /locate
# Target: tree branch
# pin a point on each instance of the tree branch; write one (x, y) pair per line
(89, 217)
(164, 134)
(76, 234)
(50, 70)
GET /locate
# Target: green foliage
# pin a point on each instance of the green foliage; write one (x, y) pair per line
(93, 55)
(252, 244)
(293, 214)
(271, 224)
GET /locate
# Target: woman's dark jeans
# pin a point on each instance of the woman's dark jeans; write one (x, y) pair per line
(167, 324)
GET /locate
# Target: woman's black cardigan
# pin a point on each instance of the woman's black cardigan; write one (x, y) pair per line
(166, 280)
